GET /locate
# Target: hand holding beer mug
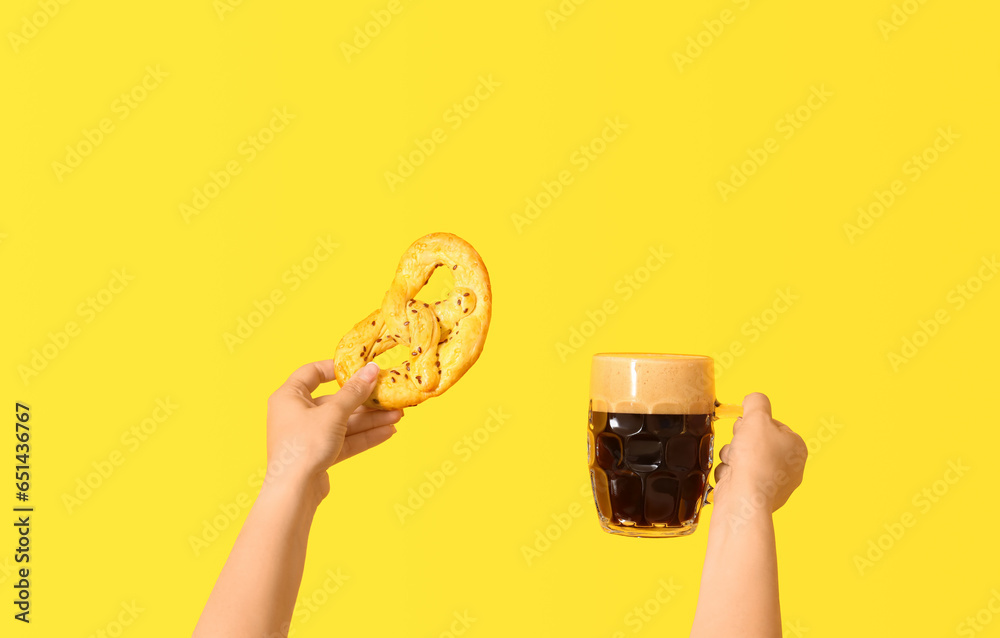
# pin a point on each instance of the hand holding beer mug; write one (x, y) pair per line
(650, 441)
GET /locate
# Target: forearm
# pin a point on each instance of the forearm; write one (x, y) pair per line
(739, 582)
(255, 593)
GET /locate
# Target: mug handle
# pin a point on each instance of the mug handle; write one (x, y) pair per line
(722, 411)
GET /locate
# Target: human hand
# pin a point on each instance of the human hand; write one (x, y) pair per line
(307, 435)
(764, 463)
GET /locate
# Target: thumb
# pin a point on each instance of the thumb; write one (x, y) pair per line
(356, 391)
(756, 402)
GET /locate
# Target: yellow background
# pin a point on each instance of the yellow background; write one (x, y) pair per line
(655, 186)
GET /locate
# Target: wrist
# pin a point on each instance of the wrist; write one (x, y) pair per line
(752, 486)
(741, 504)
(296, 486)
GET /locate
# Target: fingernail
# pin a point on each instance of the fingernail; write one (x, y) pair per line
(369, 372)
(393, 428)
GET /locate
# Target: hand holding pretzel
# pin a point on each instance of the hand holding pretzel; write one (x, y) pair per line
(444, 339)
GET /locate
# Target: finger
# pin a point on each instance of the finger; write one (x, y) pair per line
(721, 472)
(782, 426)
(724, 453)
(756, 402)
(356, 391)
(357, 443)
(326, 398)
(308, 377)
(361, 409)
(361, 421)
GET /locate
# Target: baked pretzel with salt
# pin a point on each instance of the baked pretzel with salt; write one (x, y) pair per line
(444, 338)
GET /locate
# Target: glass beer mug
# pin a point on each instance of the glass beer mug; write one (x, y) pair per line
(650, 441)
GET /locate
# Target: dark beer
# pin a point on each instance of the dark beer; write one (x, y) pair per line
(650, 441)
(650, 470)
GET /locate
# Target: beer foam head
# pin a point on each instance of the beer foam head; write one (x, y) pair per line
(642, 383)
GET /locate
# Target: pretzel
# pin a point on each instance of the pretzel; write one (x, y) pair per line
(444, 338)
